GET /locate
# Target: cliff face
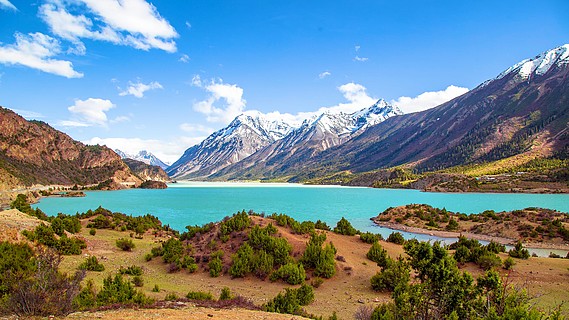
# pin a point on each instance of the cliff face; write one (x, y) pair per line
(145, 171)
(32, 152)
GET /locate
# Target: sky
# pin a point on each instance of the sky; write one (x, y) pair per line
(162, 75)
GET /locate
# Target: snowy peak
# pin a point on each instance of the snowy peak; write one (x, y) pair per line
(375, 114)
(273, 128)
(143, 156)
(540, 65)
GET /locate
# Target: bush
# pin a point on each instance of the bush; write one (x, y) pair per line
(199, 295)
(509, 263)
(452, 225)
(132, 270)
(116, 290)
(171, 297)
(28, 278)
(489, 261)
(321, 225)
(370, 238)
(87, 297)
(345, 227)
(388, 279)
(137, 281)
(305, 295)
(396, 237)
(156, 288)
(317, 282)
(238, 222)
(262, 264)
(291, 301)
(215, 266)
(225, 294)
(93, 231)
(291, 273)
(91, 264)
(125, 244)
(519, 252)
(242, 261)
(378, 255)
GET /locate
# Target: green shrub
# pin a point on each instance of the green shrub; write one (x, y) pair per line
(321, 225)
(519, 252)
(318, 258)
(262, 264)
(378, 255)
(116, 290)
(317, 282)
(370, 238)
(137, 281)
(156, 288)
(238, 222)
(171, 297)
(93, 231)
(242, 261)
(87, 297)
(489, 261)
(291, 273)
(91, 264)
(388, 278)
(125, 244)
(345, 227)
(132, 270)
(291, 301)
(396, 237)
(452, 225)
(225, 294)
(199, 295)
(509, 263)
(215, 267)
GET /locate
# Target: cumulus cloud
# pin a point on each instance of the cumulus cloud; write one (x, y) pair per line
(167, 151)
(184, 58)
(5, 4)
(428, 99)
(90, 112)
(324, 74)
(229, 100)
(196, 81)
(138, 89)
(134, 23)
(36, 51)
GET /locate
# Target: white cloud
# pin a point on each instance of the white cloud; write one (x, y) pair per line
(231, 97)
(357, 48)
(428, 100)
(35, 51)
(135, 23)
(184, 58)
(5, 4)
(324, 74)
(188, 25)
(88, 113)
(196, 81)
(138, 89)
(168, 151)
(120, 119)
(360, 59)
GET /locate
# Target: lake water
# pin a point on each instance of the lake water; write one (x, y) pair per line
(186, 203)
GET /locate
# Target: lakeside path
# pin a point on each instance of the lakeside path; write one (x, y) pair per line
(469, 235)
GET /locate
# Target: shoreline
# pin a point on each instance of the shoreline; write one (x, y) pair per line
(469, 235)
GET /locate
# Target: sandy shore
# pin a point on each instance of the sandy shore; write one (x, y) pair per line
(469, 235)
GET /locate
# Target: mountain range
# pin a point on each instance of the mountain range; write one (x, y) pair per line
(254, 133)
(523, 113)
(143, 156)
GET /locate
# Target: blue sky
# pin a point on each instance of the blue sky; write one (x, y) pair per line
(162, 75)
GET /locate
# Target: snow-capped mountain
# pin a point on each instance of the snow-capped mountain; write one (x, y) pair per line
(528, 69)
(245, 135)
(313, 136)
(143, 156)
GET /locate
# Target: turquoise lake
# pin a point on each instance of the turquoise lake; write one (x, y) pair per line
(185, 204)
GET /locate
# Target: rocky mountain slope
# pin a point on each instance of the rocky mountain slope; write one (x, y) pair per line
(143, 156)
(523, 111)
(32, 152)
(145, 171)
(314, 136)
(245, 135)
(274, 141)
